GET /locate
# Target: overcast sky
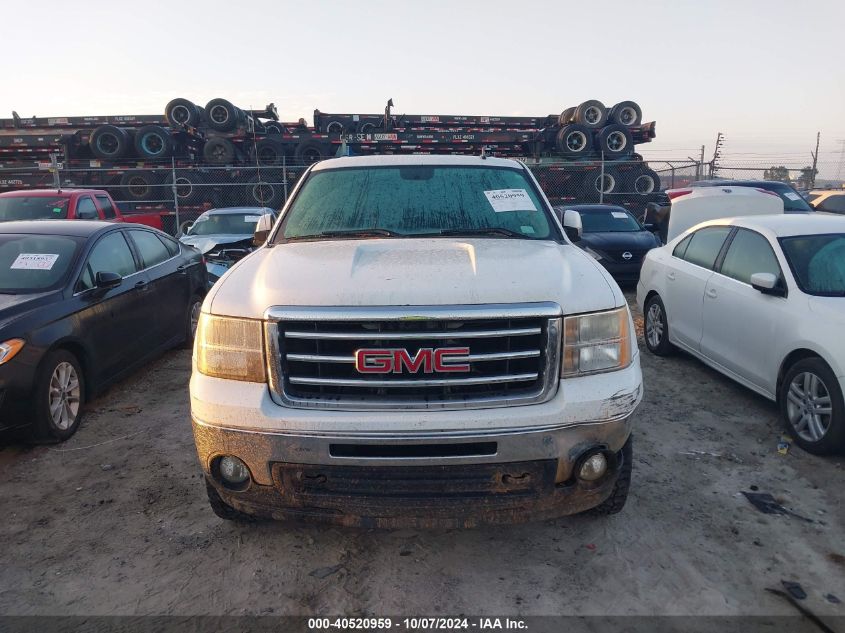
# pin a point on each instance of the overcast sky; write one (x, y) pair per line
(767, 73)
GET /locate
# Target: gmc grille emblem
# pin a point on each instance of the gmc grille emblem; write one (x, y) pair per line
(396, 361)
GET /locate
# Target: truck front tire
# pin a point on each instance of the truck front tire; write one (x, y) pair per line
(223, 509)
(616, 501)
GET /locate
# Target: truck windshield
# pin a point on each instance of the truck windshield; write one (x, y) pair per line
(818, 262)
(417, 200)
(33, 208)
(32, 263)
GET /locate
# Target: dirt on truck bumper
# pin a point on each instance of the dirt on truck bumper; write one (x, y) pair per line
(415, 469)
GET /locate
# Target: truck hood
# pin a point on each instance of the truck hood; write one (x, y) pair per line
(406, 272)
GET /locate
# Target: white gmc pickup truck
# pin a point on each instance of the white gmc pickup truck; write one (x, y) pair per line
(416, 343)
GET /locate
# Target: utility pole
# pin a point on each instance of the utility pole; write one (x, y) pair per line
(815, 156)
(717, 153)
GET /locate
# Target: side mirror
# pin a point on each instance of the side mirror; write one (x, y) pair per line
(767, 283)
(107, 281)
(572, 225)
(262, 229)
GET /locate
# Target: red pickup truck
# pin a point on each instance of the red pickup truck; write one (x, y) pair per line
(68, 204)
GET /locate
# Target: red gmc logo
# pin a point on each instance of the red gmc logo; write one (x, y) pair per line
(396, 361)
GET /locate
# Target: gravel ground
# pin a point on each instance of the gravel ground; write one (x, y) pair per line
(115, 521)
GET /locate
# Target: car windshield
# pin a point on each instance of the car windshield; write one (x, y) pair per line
(818, 262)
(33, 263)
(33, 208)
(608, 221)
(225, 223)
(417, 200)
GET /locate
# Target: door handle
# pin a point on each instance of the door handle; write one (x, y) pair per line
(141, 285)
(711, 292)
(670, 276)
(182, 269)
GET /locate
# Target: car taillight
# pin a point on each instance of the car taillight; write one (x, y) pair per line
(677, 193)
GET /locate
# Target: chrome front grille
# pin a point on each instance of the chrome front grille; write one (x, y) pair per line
(512, 358)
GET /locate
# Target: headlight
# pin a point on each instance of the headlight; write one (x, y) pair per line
(8, 349)
(596, 342)
(593, 253)
(230, 348)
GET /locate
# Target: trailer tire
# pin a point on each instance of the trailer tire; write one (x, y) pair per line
(266, 192)
(615, 141)
(574, 141)
(591, 113)
(335, 127)
(642, 180)
(267, 151)
(273, 128)
(188, 190)
(219, 151)
(109, 142)
(367, 126)
(627, 113)
(592, 185)
(222, 116)
(153, 142)
(565, 117)
(308, 152)
(139, 184)
(181, 113)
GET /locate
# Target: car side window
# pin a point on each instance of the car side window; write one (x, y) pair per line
(835, 204)
(86, 210)
(172, 246)
(110, 254)
(107, 207)
(681, 248)
(151, 248)
(749, 253)
(705, 245)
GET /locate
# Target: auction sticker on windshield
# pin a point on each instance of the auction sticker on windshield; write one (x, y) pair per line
(252, 219)
(34, 261)
(510, 200)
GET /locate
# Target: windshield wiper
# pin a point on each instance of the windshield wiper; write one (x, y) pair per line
(495, 231)
(350, 233)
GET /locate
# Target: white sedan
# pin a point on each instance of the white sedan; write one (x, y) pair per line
(762, 300)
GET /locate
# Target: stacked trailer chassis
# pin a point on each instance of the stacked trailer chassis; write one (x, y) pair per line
(260, 160)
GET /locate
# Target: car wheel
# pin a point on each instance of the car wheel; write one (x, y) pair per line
(59, 397)
(616, 501)
(812, 407)
(194, 309)
(223, 509)
(656, 327)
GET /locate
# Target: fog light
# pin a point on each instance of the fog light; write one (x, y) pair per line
(233, 471)
(593, 468)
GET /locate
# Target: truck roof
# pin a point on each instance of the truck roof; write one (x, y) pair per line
(45, 193)
(415, 159)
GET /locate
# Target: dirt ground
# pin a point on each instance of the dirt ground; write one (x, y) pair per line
(115, 521)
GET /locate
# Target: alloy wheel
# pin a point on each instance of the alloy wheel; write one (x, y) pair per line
(63, 396)
(809, 407)
(654, 325)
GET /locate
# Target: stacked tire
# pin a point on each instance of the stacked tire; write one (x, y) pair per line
(591, 129)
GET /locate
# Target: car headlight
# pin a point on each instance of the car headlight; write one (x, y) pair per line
(230, 348)
(596, 342)
(593, 253)
(8, 349)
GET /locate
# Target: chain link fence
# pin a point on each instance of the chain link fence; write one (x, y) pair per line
(182, 191)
